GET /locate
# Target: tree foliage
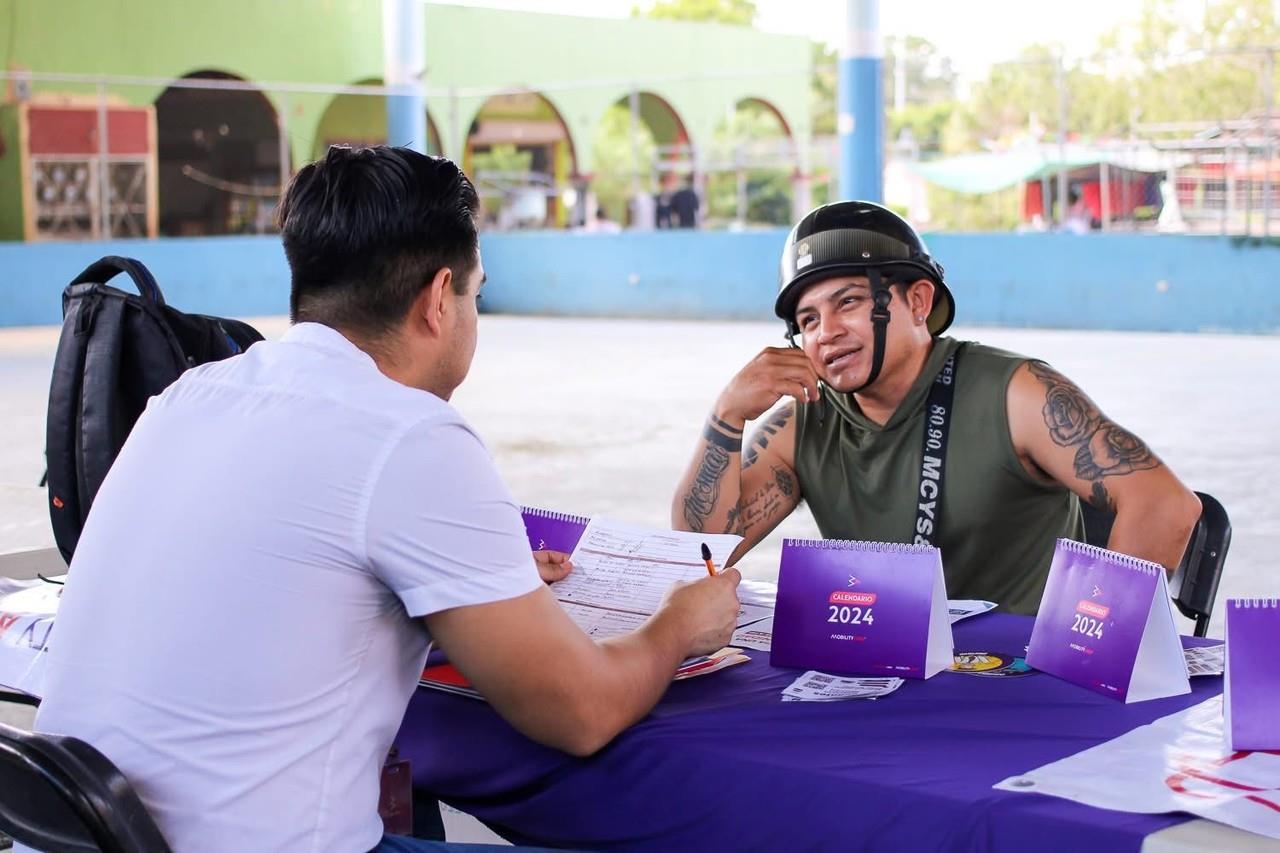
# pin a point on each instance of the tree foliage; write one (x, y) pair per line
(768, 191)
(737, 12)
(1160, 67)
(617, 160)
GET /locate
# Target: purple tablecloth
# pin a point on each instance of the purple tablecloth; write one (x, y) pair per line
(723, 764)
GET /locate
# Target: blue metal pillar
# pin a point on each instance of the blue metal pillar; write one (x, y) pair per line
(860, 104)
(404, 61)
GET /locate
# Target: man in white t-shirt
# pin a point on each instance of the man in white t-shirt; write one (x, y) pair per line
(251, 601)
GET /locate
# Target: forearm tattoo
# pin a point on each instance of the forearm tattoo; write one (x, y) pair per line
(1103, 447)
(760, 507)
(704, 493)
(764, 432)
(733, 522)
(723, 435)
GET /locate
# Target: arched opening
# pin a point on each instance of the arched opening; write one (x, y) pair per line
(219, 159)
(634, 147)
(751, 167)
(355, 119)
(521, 158)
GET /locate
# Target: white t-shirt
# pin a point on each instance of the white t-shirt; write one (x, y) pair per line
(240, 630)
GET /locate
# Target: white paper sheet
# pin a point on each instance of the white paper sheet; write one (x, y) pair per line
(963, 608)
(629, 567)
(1205, 660)
(816, 686)
(603, 622)
(1179, 763)
(758, 635)
(27, 610)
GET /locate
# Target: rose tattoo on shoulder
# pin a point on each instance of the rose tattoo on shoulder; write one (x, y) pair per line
(1103, 447)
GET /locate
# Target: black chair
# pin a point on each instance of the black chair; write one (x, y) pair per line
(59, 793)
(1194, 585)
(17, 697)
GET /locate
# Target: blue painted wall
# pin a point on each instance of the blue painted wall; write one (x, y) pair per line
(1095, 281)
(229, 276)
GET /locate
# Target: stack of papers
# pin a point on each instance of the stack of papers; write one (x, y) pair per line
(755, 635)
(1205, 660)
(447, 678)
(816, 686)
(963, 608)
(27, 611)
(707, 664)
(621, 572)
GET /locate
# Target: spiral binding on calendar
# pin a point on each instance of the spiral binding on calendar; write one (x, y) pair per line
(860, 545)
(555, 516)
(1250, 603)
(1114, 557)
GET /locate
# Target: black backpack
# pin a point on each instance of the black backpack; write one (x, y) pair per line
(116, 351)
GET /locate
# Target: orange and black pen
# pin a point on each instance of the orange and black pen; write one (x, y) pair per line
(706, 556)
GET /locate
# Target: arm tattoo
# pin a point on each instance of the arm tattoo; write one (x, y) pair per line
(1100, 498)
(759, 507)
(714, 433)
(733, 523)
(764, 432)
(786, 483)
(703, 495)
(725, 427)
(1103, 447)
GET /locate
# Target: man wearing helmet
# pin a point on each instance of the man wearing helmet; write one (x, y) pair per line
(896, 433)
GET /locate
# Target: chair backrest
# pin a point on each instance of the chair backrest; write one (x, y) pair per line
(1194, 585)
(59, 793)
(17, 697)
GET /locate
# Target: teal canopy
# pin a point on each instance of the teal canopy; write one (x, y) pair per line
(990, 172)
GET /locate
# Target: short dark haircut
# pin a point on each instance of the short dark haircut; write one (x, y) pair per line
(365, 229)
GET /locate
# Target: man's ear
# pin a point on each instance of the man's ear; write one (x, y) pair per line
(920, 297)
(432, 302)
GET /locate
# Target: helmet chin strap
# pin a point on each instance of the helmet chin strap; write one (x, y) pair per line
(880, 299)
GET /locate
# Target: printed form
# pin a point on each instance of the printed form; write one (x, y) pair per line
(622, 571)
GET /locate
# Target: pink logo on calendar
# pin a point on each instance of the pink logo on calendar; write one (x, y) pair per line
(1090, 608)
(841, 596)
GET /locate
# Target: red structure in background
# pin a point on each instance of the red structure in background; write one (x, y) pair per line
(1127, 194)
(77, 185)
(74, 131)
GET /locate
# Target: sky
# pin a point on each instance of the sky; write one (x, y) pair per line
(962, 29)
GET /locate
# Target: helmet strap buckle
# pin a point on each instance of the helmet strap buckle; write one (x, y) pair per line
(880, 298)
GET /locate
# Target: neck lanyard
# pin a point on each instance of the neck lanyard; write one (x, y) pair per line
(933, 455)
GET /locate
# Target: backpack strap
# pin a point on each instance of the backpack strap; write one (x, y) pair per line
(62, 429)
(99, 388)
(103, 270)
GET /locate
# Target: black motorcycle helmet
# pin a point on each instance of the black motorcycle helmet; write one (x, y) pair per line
(858, 238)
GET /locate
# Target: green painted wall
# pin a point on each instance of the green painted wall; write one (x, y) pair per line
(10, 175)
(358, 118)
(581, 65)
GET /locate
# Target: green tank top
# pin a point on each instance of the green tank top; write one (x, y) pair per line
(997, 525)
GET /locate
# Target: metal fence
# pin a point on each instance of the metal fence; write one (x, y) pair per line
(202, 174)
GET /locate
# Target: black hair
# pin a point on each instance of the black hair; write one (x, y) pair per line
(365, 229)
